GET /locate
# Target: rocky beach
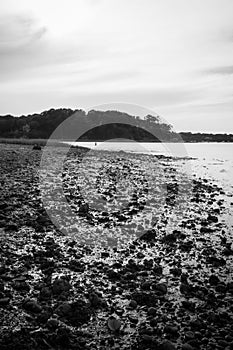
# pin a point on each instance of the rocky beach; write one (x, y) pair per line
(150, 266)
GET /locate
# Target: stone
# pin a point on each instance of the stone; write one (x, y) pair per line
(45, 293)
(161, 288)
(64, 309)
(53, 323)
(167, 345)
(36, 147)
(60, 285)
(221, 288)
(133, 304)
(94, 300)
(152, 311)
(213, 280)
(171, 329)
(31, 305)
(4, 301)
(114, 324)
(187, 346)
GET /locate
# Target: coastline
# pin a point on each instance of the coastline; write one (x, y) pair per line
(170, 287)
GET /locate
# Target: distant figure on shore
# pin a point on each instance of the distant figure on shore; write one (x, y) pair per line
(95, 143)
(37, 147)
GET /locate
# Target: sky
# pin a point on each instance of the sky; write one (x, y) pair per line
(174, 57)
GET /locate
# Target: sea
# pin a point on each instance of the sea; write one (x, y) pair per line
(213, 160)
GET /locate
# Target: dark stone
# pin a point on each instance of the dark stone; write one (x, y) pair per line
(170, 329)
(31, 305)
(45, 293)
(187, 346)
(161, 288)
(167, 345)
(213, 280)
(133, 304)
(4, 302)
(152, 311)
(145, 298)
(36, 147)
(95, 300)
(60, 285)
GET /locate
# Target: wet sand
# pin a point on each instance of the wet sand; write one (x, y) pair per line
(154, 273)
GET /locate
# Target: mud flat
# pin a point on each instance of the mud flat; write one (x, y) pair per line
(148, 266)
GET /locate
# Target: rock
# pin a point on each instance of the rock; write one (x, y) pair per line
(21, 285)
(212, 218)
(158, 270)
(64, 309)
(60, 285)
(83, 209)
(213, 280)
(4, 302)
(53, 323)
(221, 288)
(45, 293)
(11, 227)
(185, 288)
(170, 329)
(31, 305)
(133, 319)
(94, 300)
(114, 324)
(167, 345)
(147, 338)
(227, 251)
(63, 337)
(189, 335)
(43, 316)
(145, 298)
(161, 288)
(79, 313)
(176, 271)
(146, 285)
(36, 147)
(189, 305)
(152, 311)
(133, 304)
(105, 254)
(187, 346)
(2, 287)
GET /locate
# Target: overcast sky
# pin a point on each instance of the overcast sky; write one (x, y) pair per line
(174, 56)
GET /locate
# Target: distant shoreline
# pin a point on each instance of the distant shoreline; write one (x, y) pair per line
(42, 142)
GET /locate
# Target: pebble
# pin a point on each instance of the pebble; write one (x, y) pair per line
(31, 305)
(187, 346)
(152, 311)
(161, 287)
(167, 345)
(133, 304)
(60, 285)
(4, 301)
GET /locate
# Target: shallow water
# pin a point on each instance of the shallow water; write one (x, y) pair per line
(209, 160)
(213, 159)
(211, 150)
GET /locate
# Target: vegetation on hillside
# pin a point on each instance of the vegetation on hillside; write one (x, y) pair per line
(100, 126)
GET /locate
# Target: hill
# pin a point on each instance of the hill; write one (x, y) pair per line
(120, 125)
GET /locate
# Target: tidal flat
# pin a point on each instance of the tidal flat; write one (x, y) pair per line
(147, 263)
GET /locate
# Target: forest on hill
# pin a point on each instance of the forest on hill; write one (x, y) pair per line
(101, 125)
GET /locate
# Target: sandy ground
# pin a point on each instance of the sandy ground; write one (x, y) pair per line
(146, 265)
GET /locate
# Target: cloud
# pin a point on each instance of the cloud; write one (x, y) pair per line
(85, 52)
(18, 33)
(224, 70)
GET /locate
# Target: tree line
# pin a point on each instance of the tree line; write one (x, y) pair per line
(119, 125)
